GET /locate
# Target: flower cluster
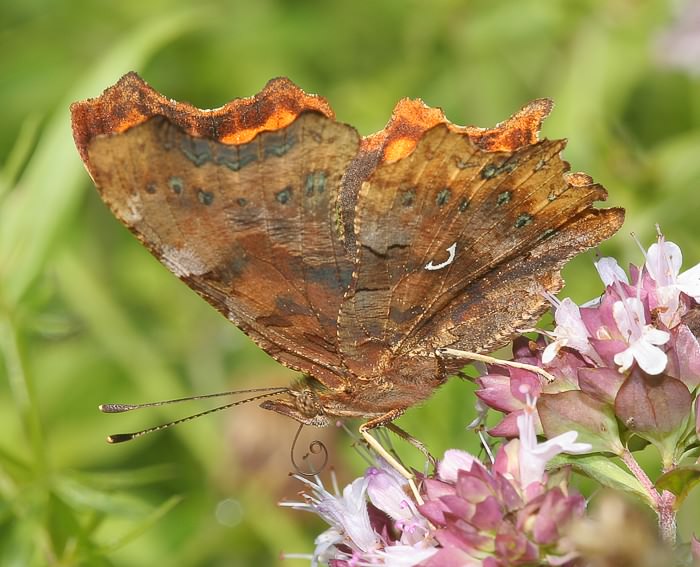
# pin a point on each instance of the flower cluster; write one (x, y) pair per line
(509, 513)
(626, 358)
(626, 368)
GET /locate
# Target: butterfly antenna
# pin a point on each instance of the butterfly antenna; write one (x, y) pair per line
(121, 408)
(122, 437)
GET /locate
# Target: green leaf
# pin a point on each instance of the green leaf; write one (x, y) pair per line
(605, 471)
(20, 153)
(127, 478)
(593, 420)
(62, 525)
(82, 496)
(52, 182)
(680, 481)
(122, 339)
(12, 466)
(657, 408)
(143, 526)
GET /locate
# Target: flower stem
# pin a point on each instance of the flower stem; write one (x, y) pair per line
(667, 517)
(641, 476)
(663, 503)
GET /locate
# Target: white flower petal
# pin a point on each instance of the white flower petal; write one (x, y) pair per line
(405, 555)
(630, 318)
(324, 542)
(650, 358)
(610, 271)
(655, 336)
(563, 443)
(624, 359)
(689, 282)
(570, 331)
(534, 456)
(622, 319)
(664, 261)
(567, 313)
(348, 513)
(551, 350)
(388, 495)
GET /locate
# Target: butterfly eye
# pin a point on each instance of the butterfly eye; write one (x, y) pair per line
(308, 404)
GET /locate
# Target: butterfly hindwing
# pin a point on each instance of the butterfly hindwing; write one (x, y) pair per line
(447, 228)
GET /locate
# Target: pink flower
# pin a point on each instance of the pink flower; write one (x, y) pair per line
(534, 456)
(504, 514)
(387, 492)
(630, 342)
(454, 461)
(610, 271)
(346, 513)
(678, 47)
(570, 332)
(373, 521)
(663, 264)
(624, 364)
(642, 338)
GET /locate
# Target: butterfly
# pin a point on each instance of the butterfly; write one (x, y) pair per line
(355, 261)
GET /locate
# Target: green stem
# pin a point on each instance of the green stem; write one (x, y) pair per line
(23, 391)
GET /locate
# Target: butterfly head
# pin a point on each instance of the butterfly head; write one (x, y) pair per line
(301, 402)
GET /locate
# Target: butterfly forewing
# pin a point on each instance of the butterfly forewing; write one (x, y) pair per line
(250, 227)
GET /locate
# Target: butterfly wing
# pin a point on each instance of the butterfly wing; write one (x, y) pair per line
(249, 224)
(457, 240)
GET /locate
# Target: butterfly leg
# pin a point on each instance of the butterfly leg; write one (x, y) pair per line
(413, 441)
(491, 360)
(386, 420)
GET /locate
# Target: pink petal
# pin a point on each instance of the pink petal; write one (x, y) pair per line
(435, 489)
(458, 506)
(695, 548)
(495, 392)
(434, 511)
(507, 462)
(686, 354)
(524, 383)
(508, 426)
(608, 349)
(488, 514)
(453, 461)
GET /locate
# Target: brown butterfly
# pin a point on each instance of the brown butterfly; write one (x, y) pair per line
(351, 260)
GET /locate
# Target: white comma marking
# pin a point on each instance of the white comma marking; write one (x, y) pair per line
(452, 251)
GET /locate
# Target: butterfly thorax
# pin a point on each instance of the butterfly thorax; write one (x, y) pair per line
(398, 387)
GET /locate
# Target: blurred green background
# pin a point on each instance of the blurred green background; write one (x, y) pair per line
(88, 316)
